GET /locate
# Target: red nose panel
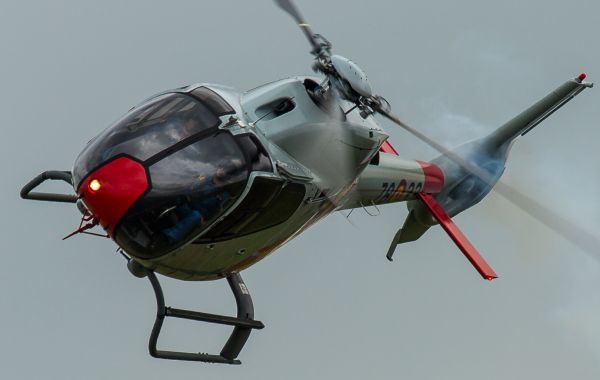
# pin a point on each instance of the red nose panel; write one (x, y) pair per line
(112, 189)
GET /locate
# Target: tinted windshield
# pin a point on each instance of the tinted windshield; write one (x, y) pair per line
(190, 189)
(147, 130)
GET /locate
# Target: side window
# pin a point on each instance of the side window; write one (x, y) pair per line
(270, 202)
(255, 153)
(281, 208)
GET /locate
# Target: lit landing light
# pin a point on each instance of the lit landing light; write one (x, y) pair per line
(94, 185)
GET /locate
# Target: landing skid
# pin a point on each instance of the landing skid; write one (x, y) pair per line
(244, 323)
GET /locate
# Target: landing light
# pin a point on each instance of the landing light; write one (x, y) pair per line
(94, 185)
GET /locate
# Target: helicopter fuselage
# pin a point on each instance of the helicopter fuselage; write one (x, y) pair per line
(201, 182)
(299, 156)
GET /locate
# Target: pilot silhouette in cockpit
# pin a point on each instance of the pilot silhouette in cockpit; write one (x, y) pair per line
(207, 198)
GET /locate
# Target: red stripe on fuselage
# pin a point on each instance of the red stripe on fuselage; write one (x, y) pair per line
(434, 178)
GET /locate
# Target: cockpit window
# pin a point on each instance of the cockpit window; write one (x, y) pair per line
(268, 203)
(190, 189)
(255, 153)
(216, 103)
(147, 130)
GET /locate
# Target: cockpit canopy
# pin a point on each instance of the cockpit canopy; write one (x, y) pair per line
(149, 129)
(195, 170)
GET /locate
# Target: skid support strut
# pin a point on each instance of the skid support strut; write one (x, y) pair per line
(244, 323)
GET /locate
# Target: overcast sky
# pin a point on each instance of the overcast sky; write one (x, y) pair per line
(333, 306)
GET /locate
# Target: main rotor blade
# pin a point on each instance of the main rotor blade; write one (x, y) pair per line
(345, 163)
(575, 234)
(473, 169)
(289, 7)
(570, 231)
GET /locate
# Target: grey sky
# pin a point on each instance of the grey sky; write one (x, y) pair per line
(333, 306)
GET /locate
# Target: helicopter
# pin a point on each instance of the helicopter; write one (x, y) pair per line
(201, 182)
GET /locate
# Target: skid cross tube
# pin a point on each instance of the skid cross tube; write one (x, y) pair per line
(244, 323)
